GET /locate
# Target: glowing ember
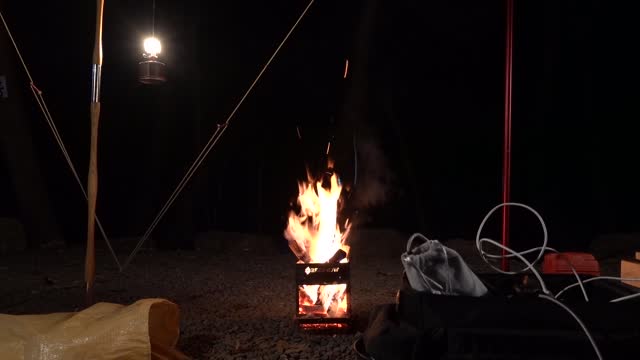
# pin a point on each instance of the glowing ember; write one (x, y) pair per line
(314, 235)
(331, 326)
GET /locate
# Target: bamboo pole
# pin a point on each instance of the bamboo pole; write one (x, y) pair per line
(92, 181)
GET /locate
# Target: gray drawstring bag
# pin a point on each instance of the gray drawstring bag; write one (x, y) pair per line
(437, 269)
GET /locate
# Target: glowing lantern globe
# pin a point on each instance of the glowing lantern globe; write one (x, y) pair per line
(151, 71)
(152, 47)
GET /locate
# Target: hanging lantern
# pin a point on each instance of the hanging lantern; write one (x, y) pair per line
(151, 70)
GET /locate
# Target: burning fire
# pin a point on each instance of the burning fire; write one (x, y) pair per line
(314, 236)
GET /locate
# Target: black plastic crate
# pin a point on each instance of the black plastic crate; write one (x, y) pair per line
(512, 322)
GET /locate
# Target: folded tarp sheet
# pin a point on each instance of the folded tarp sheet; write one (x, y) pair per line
(147, 329)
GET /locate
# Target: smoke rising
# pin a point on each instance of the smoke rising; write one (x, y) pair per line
(374, 177)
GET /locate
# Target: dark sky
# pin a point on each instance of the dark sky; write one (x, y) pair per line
(426, 88)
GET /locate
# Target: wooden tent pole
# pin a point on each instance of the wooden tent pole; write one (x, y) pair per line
(92, 181)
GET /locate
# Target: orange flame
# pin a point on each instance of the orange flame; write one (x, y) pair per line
(315, 230)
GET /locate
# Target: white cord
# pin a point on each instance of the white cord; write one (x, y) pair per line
(584, 327)
(632, 296)
(573, 269)
(595, 278)
(518, 255)
(530, 265)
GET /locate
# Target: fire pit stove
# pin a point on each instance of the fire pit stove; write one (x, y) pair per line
(332, 278)
(318, 241)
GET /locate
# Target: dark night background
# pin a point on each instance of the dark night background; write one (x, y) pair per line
(426, 89)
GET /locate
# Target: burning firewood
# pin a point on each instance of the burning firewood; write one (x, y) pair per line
(300, 253)
(314, 310)
(337, 257)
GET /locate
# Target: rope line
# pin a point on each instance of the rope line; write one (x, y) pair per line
(24, 65)
(153, 19)
(165, 208)
(213, 140)
(37, 94)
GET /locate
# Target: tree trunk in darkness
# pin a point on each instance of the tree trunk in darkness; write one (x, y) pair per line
(405, 155)
(20, 156)
(353, 124)
(367, 113)
(357, 144)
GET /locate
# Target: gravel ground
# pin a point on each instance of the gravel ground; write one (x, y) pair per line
(236, 302)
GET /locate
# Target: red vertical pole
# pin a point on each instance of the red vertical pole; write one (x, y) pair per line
(506, 159)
